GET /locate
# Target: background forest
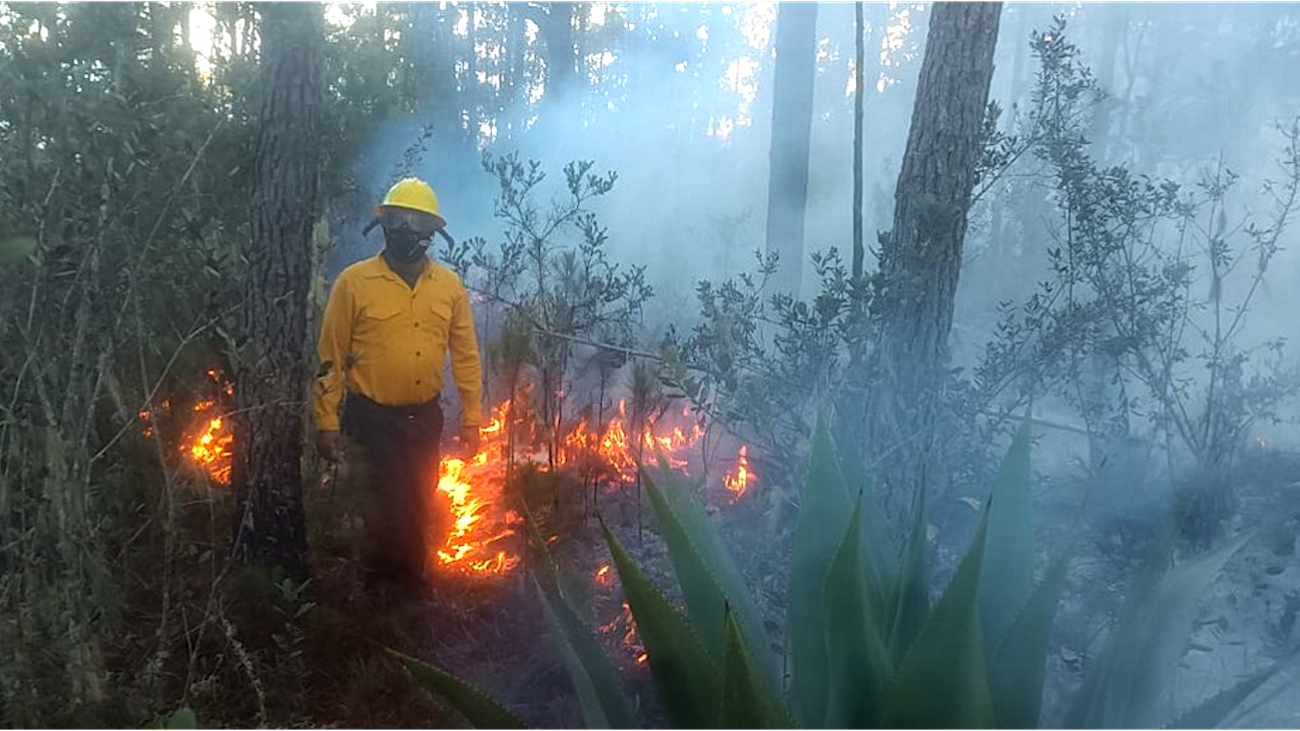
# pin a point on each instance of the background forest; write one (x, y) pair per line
(716, 236)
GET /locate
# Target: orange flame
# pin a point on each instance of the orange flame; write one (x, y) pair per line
(630, 641)
(473, 488)
(616, 452)
(737, 482)
(208, 443)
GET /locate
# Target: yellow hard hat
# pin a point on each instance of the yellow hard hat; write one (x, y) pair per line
(415, 194)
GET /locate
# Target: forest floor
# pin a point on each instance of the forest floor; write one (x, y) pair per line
(243, 650)
(1248, 617)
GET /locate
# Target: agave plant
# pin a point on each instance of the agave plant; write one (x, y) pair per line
(867, 647)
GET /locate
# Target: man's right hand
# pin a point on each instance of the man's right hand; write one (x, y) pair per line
(329, 445)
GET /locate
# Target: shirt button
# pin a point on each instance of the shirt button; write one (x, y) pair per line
(417, 324)
(417, 352)
(417, 381)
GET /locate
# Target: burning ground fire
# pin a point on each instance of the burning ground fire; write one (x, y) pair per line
(472, 489)
(628, 639)
(480, 524)
(478, 540)
(207, 437)
(738, 482)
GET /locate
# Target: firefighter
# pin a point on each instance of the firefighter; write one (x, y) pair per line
(389, 326)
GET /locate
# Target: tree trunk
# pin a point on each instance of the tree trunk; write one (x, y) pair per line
(1113, 28)
(920, 259)
(1001, 225)
(471, 89)
(859, 90)
(272, 379)
(792, 98)
(561, 58)
(514, 79)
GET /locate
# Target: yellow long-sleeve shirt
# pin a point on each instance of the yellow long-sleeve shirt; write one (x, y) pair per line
(387, 341)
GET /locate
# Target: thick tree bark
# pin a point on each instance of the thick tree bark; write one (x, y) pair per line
(272, 379)
(920, 259)
(792, 99)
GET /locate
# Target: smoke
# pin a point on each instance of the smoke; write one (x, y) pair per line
(681, 106)
(686, 125)
(682, 112)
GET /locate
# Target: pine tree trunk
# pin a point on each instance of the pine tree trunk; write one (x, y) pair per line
(1113, 29)
(859, 90)
(920, 259)
(792, 98)
(561, 58)
(470, 90)
(272, 380)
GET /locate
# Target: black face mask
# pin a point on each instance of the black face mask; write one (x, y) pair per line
(404, 244)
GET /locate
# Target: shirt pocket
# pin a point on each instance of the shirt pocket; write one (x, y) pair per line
(380, 314)
(441, 314)
(377, 324)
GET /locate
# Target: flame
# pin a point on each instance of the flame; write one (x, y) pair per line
(474, 543)
(616, 451)
(471, 488)
(737, 482)
(629, 639)
(206, 443)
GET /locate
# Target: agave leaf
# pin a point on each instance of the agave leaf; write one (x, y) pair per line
(706, 572)
(859, 666)
(688, 680)
(1214, 710)
(182, 718)
(942, 681)
(1009, 555)
(823, 516)
(1143, 650)
(911, 598)
(600, 692)
(882, 568)
(1017, 667)
(747, 699)
(477, 707)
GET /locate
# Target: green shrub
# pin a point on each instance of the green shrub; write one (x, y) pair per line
(867, 647)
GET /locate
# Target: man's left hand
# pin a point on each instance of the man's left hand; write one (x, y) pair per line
(469, 440)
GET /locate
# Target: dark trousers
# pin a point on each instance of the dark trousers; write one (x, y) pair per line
(399, 446)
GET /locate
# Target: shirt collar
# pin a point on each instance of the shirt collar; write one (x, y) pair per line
(379, 268)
